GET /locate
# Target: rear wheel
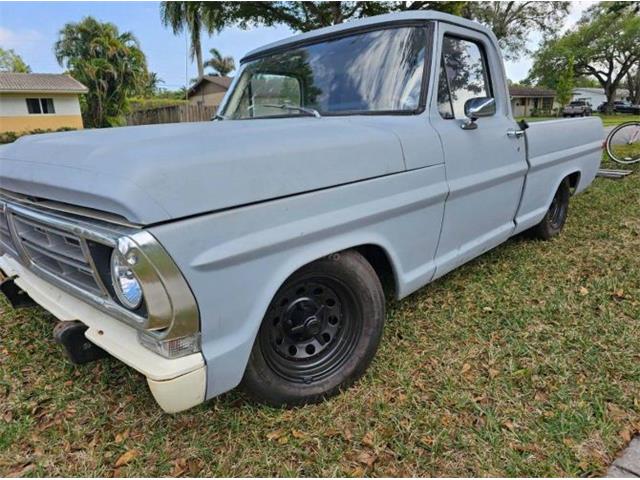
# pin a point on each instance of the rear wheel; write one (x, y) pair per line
(555, 218)
(319, 334)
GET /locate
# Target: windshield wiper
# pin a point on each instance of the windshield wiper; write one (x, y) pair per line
(309, 111)
(217, 116)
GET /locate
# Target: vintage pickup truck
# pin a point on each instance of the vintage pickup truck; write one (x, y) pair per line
(254, 249)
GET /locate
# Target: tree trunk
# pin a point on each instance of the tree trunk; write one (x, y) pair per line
(199, 62)
(610, 93)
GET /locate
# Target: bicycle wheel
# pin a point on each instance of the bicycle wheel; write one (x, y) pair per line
(623, 143)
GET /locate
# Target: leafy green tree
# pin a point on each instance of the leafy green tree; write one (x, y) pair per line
(111, 65)
(305, 16)
(221, 65)
(194, 17)
(564, 87)
(604, 46)
(513, 22)
(10, 61)
(585, 82)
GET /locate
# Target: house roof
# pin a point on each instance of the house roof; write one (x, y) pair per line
(40, 83)
(531, 92)
(223, 82)
(619, 91)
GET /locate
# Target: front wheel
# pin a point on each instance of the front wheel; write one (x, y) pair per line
(319, 334)
(555, 218)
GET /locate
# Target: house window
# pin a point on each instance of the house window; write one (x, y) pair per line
(40, 105)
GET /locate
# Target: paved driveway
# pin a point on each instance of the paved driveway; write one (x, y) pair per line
(607, 130)
(628, 465)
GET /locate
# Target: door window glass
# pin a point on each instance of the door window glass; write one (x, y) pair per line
(444, 99)
(464, 64)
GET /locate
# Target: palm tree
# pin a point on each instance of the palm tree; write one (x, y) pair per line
(193, 17)
(223, 66)
(111, 65)
(153, 84)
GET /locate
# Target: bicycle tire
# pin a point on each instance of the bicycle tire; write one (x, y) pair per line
(612, 155)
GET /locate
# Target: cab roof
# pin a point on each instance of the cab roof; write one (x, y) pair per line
(390, 18)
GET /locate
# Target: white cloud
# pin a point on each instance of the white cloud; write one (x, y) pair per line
(19, 39)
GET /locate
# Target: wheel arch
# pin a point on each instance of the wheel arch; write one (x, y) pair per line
(382, 264)
(230, 352)
(574, 180)
(379, 257)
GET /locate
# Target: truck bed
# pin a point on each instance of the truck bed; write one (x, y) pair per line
(555, 150)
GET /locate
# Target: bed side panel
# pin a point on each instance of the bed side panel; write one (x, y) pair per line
(558, 148)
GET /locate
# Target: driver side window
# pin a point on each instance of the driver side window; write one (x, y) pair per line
(463, 75)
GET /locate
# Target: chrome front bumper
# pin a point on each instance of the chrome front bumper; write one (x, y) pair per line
(176, 384)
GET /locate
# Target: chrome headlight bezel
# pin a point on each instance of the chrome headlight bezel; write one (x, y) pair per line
(171, 312)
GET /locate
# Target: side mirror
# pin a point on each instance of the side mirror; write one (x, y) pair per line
(478, 107)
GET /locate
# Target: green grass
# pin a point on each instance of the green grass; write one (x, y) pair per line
(617, 119)
(607, 120)
(524, 362)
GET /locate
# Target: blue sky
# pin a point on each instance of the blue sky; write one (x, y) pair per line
(31, 28)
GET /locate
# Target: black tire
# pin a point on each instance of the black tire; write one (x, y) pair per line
(320, 333)
(555, 218)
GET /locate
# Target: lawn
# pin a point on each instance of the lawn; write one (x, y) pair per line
(607, 120)
(524, 362)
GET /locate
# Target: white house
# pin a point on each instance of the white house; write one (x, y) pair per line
(596, 96)
(30, 101)
(526, 101)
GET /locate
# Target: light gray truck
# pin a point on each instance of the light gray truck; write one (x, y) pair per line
(253, 250)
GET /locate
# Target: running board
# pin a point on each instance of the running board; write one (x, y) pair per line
(610, 173)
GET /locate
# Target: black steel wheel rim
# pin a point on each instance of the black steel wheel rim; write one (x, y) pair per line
(557, 210)
(311, 329)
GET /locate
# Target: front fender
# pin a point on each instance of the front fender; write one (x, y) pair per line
(236, 260)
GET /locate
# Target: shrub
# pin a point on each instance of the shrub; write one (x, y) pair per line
(8, 137)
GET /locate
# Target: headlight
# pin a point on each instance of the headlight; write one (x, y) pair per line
(144, 275)
(125, 283)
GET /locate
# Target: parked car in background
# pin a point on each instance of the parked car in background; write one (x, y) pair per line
(253, 250)
(620, 106)
(626, 107)
(577, 108)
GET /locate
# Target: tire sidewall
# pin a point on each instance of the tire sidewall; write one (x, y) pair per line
(547, 229)
(351, 269)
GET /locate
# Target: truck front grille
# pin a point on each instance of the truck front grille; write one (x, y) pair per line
(6, 244)
(67, 250)
(58, 253)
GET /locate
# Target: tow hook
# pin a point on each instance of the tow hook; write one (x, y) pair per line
(16, 296)
(78, 348)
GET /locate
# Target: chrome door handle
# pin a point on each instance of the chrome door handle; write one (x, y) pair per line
(513, 133)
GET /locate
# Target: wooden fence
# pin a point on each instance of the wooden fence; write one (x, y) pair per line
(171, 114)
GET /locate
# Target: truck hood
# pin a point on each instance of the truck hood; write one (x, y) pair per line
(155, 173)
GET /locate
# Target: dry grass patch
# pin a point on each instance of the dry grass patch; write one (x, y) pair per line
(525, 362)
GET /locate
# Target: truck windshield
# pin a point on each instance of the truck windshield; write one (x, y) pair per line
(374, 72)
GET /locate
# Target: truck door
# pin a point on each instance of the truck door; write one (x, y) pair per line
(485, 166)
